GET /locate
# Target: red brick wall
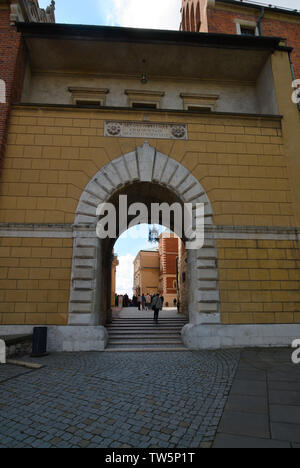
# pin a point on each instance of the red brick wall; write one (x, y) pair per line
(168, 252)
(220, 21)
(170, 287)
(12, 67)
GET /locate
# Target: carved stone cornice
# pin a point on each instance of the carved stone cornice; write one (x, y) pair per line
(28, 11)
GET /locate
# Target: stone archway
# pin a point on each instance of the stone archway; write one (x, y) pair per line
(145, 165)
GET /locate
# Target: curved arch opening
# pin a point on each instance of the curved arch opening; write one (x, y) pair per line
(144, 175)
(146, 193)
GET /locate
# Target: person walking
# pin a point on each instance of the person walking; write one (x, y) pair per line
(148, 302)
(157, 305)
(144, 301)
(139, 302)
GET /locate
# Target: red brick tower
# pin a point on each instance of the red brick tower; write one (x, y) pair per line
(12, 54)
(242, 17)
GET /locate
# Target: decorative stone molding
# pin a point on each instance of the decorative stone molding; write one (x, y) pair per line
(28, 11)
(88, 95)
(205, 101)
(146, 130)
(144, 97)
(211, 3)
(143, 165)
(68, 231)
(240, 23)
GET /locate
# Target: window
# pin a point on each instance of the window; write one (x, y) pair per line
(80, 102)
(183, 277)
(144, 105)
(246, 28)
(88, 96)
(142, 99)
(200, 108)
(247, 31)
(199, 102)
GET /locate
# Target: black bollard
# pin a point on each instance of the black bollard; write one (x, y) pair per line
(39, 342)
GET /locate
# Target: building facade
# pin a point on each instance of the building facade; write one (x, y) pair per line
(160, 116)
(168, 248)
(157, 270)
(146, 273)
(244, 18)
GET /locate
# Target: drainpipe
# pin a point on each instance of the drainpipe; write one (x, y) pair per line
(293, 76)
(260, 20)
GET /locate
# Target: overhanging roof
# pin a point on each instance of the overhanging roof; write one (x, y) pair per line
(116, 51)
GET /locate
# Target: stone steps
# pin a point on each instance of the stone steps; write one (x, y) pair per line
(143, 334)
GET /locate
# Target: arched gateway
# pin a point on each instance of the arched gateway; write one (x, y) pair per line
(145, 175)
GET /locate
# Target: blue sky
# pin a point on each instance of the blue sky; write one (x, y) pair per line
(127, 248)
(131, 13)
(160, 14)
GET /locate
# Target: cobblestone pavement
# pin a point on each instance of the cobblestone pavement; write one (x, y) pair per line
(139, 400)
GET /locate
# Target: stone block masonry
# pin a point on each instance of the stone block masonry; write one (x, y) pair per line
(259, 281)
(34, 281)
(239, 161)
(52, 158)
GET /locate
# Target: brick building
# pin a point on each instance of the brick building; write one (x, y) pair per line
(242, 17)
(168, 248)
(157, 270)
(163, 117)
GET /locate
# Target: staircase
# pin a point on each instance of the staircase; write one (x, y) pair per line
(143, 334)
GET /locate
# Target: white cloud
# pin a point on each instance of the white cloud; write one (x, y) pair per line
(125, 275)
(151, 14)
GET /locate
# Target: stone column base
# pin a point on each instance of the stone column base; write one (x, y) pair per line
(216, 336)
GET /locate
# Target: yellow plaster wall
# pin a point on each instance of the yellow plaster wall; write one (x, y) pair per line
(259, 281)
(290, 124)
(53, 153)
(34, 281)
(244, 164)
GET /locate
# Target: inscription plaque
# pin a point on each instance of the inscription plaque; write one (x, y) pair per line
(145, 130)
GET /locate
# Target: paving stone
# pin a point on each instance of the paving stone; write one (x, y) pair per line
(249, 387)
(234, 441)
(284, 397)
(287, 432)
(285, 414)
(247, 404)
(248, 424)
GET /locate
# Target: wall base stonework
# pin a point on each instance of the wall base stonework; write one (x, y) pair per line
(66, 338)
(216, 336)
(195, 337)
